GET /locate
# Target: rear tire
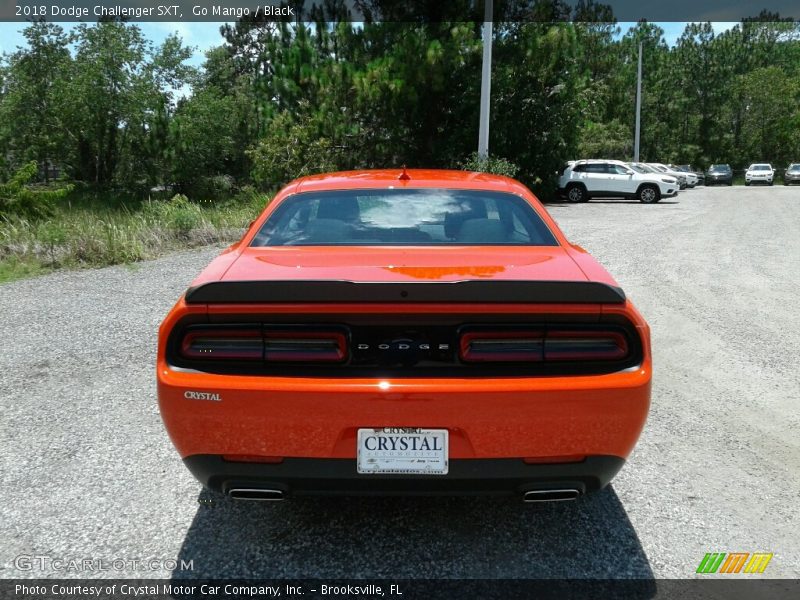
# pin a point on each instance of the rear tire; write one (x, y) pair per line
(649, 194)
(577, 193)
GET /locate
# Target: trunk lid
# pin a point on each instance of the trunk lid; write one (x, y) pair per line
(405, 264)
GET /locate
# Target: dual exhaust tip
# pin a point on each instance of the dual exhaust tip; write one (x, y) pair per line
(273, 495)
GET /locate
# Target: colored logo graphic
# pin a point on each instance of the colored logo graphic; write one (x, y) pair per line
(734, 562)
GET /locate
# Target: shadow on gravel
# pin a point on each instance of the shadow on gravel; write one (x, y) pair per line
(414, 538)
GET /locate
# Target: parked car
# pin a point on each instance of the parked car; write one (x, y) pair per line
(792, 174)
(719, 173)
(701, 177)
(404, 332)
(691, 178)
(681, 177)
(759, 173)
(586, 179)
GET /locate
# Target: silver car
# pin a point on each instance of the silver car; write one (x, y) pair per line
(792, 174)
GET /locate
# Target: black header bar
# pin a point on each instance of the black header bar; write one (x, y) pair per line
(419, 11)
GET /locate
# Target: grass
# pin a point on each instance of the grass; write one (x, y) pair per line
(96, 232)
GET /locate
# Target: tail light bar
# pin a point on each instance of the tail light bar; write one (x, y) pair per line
(223, 344)
(302, 346)
(585, 345)
(552, 345)
(502, 346)
(282, 344)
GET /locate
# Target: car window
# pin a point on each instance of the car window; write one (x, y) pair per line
(596, 168)
(619, 170)
(404, 217)
(579, 168)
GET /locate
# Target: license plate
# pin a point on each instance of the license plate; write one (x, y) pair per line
(402, 450)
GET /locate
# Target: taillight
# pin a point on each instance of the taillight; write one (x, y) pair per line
(269, 344)
(550, 345)
(304, 346)
(502, 346)
(223, 344)
(585, 345)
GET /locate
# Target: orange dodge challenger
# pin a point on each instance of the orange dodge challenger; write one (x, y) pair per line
(404, 332)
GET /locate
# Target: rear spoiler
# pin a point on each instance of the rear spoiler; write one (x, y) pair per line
(333, 291)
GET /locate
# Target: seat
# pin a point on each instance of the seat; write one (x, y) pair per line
(482, 231)
(339, 209)
(472, 209)
(327, 231)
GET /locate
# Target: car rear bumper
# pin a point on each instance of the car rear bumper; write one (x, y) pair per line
(486, 418)
(309, 476)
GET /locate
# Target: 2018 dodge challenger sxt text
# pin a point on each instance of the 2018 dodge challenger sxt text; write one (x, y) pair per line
(404, 332)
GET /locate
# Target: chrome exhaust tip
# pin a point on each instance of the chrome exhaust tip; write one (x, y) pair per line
(259, 494)
(551, 495)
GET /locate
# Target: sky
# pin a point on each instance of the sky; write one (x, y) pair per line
(202, 36)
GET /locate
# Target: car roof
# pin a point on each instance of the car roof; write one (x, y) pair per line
(408, 178)
(600, 160)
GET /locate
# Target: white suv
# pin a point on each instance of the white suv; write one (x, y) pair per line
(759, 173)
(683, 180)
(585, 179)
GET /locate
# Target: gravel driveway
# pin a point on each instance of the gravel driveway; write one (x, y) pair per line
(89, 473)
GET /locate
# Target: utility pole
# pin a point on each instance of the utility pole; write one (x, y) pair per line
(486, 80)
(638, 108)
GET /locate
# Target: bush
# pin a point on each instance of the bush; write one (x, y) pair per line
(290, 149)
(213, 188)
(18, 197)
(489, 164)
(178, 215)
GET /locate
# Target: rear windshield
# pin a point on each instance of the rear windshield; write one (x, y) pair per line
(404, 217)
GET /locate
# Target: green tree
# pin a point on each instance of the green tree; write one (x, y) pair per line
(30, 107)
(119, 93)
(772, 113)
